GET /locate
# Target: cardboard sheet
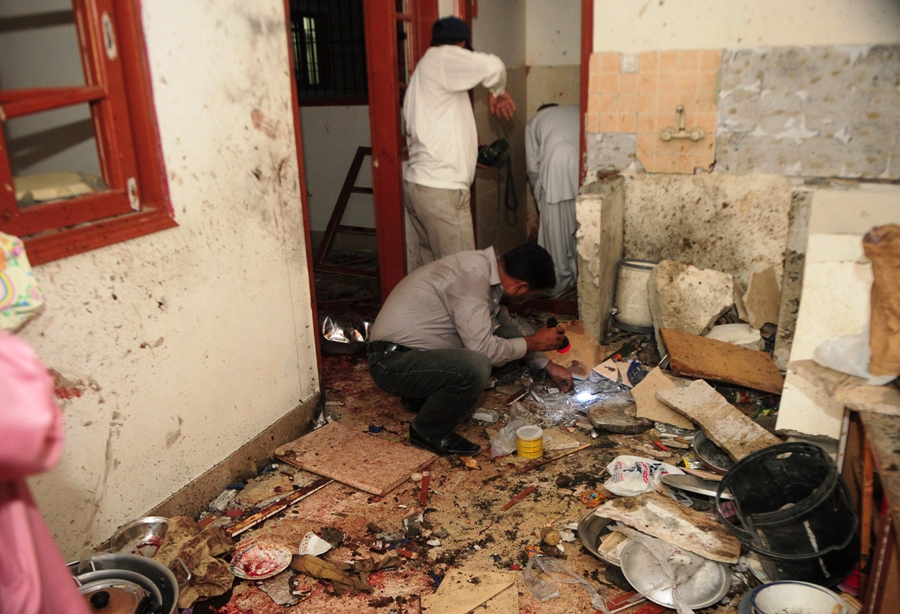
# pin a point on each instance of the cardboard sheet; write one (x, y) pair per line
(648, 406)
(357, 459)
(584, 354)
(462, 592)
(695, 356)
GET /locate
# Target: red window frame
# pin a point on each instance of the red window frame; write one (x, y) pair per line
(119, 94)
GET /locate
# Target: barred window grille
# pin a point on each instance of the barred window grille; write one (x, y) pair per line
(329, 46)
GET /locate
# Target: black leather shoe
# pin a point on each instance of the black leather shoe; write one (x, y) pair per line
(413, 405)
(451, 443)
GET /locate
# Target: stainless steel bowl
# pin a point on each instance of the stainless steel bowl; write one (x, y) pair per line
(142, 537)
(590, 529)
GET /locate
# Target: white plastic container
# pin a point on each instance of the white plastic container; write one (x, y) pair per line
(632, 306)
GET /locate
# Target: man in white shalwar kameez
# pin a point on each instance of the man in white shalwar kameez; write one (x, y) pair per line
(551, 157)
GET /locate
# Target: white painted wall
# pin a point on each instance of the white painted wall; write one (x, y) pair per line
(553, 32)
(331, 136)
(500, 29)
(633, 27)
(200, 337)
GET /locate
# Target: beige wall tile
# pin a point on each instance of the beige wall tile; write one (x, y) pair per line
(610, 61)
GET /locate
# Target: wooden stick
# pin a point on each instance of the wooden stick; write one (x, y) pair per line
(519, 497)
(531, 466)
(281, 504)
(423, 493)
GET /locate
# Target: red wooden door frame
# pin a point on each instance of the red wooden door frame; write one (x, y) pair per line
(384, 119)
(587, 47)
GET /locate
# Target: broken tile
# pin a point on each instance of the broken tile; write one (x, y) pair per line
(723, 424)
(741, 334)
(763, 298)
(685, 298)
(659, 516)
(270, 486)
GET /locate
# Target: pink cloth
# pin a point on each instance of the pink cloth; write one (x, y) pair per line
(33, 576)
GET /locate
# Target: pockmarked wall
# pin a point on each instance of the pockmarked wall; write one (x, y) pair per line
(177, 348)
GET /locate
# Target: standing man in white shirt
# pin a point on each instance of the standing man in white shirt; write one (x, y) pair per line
(442, 139)
(551, 157)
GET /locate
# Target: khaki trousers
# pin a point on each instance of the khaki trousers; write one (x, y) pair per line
(441, 218)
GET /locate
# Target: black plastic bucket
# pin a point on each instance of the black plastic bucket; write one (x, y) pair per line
(796, 513)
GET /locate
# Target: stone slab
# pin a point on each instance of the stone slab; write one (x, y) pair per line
(731, 223)
(601, 221)
(685, 298)
(659, 516)
(723, 424)
(695, 356)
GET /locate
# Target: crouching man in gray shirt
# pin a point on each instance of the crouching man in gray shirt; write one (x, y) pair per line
(444, 327)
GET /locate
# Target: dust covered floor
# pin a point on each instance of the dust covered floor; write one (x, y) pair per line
(462, 524)
(463, 509)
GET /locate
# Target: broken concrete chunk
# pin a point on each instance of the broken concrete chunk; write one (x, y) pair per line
(740, 334)
(685, 298)
(763, 298)
(723, 424)
(616, 420)
(659, 516)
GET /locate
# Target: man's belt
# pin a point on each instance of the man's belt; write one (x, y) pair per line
(386, 346)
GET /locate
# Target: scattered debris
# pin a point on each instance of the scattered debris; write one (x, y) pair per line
(278, 506)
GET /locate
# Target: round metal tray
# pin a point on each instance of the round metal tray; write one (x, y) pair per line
(590, 529)
(708, 586)
(712, 456)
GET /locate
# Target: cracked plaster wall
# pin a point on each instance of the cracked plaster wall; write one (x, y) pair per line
(177, 348)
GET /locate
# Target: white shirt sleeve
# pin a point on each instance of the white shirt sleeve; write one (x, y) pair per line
(464, 69)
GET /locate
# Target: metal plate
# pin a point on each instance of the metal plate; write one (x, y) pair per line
(590, 529)
(259, 560)
(708, 586)
(712, 456)
(691, 483)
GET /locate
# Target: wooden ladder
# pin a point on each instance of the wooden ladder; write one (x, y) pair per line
(335, 226)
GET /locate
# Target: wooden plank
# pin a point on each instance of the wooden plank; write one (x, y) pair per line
(695, 356)
(354, 458)
(725, 425)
